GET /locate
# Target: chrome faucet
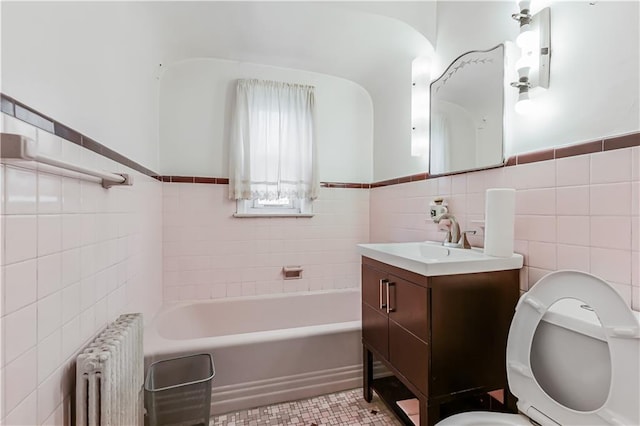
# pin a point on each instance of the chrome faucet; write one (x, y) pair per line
(453, 230)
(454, 237)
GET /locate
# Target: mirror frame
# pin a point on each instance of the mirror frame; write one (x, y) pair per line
(502, 142)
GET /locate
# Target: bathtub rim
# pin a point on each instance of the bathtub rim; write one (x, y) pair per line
(156, 345)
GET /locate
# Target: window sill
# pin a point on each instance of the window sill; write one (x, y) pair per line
(267, 215)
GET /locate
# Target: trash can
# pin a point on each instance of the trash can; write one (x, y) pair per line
(178, 390)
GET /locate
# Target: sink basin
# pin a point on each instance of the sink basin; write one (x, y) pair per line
(431, 258)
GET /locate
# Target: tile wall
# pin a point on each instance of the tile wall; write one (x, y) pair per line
(579, 212)
(74, 257)
(210, 254)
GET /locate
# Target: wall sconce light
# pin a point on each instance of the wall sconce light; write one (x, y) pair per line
(535, 53)
(420, 77)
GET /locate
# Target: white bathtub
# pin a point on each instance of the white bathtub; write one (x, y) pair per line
(266, 349)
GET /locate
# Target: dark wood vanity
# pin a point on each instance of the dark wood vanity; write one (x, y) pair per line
(443, 338)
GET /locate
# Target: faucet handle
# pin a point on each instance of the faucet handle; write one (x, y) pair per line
(464, 242)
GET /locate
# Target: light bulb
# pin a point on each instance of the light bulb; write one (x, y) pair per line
(527, 39)
(525, 63)
(524, 104)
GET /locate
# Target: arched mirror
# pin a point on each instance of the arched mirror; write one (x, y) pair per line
(570, 357)
(466, 120)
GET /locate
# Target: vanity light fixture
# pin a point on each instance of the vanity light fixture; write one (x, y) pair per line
(535, 53)
(420, 77)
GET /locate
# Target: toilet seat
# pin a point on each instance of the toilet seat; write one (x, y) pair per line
(485, 418)
(622, 332)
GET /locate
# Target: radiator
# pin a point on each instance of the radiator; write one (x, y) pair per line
(110, 376)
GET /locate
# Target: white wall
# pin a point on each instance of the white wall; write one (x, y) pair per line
(89, 65)
(195, 102)
(595, 62)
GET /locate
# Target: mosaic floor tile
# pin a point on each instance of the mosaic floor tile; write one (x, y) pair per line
(345, 408)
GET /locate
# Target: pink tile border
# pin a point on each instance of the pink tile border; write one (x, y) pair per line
(23, 112)
(615, 142)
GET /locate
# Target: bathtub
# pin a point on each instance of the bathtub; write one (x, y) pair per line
(266, 349)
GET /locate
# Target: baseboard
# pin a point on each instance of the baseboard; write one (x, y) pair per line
(289, 388)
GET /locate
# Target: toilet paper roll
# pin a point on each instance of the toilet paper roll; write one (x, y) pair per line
(499, 220)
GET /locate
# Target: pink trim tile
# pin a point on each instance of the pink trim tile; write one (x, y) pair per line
(611, 232)
(535, 275)
(574, 230)
(532, 175)
(611, 265)
(536, 202)
(573, 257)
(635, 233)
(540, 228)
(573, 171)
(459, 183)
(542, 255)
(635, 198)
(611, 166)
(635, 163)
(613, 199)
(572, 200)
(635, 268)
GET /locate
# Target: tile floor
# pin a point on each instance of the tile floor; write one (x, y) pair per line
(345, 408)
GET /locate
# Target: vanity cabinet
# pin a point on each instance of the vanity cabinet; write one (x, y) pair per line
(443, 337)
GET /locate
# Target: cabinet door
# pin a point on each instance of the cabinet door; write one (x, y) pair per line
(408, 306)
(409, 355)
(372, 287)
(375, 324)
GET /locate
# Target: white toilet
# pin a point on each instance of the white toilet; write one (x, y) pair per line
(573, 357)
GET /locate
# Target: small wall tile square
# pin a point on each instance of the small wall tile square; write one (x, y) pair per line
(611, 166)
(591, 208)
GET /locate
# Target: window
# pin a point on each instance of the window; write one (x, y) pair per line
(272, 159)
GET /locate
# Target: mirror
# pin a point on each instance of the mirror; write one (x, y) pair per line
(466, 120)
(570, 356)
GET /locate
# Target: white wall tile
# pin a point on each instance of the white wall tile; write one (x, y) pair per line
(49, 274)
(19, 333)
(49, 234)
(49, 194)
(19, 286)
(611, 166)
(20, 191)
(25, 413)
(20, 238)
(49, 355)
(43, 236)
(49, 315)
(20, 378)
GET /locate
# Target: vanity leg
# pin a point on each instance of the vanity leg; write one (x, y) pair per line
(427, 414)
(367, 373)
(510, 401)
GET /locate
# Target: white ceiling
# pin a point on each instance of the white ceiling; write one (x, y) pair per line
(366, 42)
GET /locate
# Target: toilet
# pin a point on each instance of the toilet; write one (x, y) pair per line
(573, 357)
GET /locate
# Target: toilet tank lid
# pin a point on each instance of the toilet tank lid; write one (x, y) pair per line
(575, 315)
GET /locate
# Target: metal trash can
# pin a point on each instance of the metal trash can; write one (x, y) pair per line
(178, 390)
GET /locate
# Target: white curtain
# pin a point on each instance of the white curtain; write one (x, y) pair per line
(272, 151)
